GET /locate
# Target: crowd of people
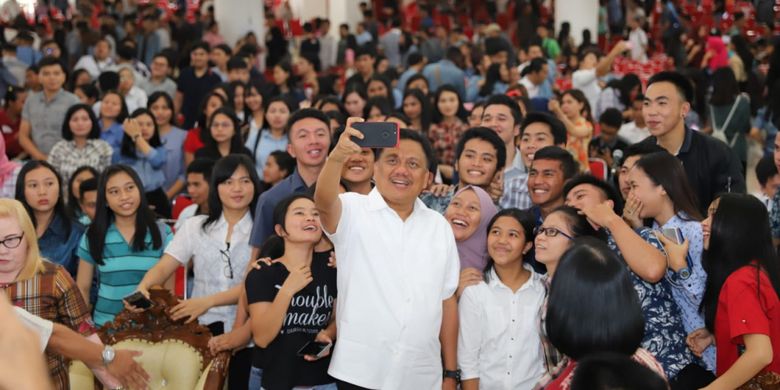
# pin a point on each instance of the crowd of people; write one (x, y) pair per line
(520, 235)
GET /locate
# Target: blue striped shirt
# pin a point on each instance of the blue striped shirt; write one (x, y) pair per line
(121, 271)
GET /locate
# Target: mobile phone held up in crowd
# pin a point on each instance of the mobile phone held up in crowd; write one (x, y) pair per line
(138, 300)
(673, 234)
(377, 134)
(315, 348)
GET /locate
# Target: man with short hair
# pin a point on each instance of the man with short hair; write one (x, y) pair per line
(607, 142)
(99, 61)
(635, 131)
(88, 200)
(44, 112)
(502, 114)
(398, 271)
(364, 64)
(159, 80)
(479, 160)
(148, 41)
(631, 155)
(328, 46)
(415, 62)
(534, 75)
(447, 71)
(768, 181)
(308, 133)
(219, 56)
(198, 179)
(238, 70)
(15, 67)
(390, 43)
(537, 131)
(194, 83)
(712, 166)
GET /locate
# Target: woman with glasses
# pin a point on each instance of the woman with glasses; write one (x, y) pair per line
(223, 137)
(121, 244)
(553, 238)
(217, 244)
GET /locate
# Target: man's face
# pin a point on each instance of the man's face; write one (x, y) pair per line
(499, 118)
(584, 196)
(89, 204)
(102, 50)
(309, 142)
(664, 109)
(625, 185)
(535, 51)
(537, 135)
(159, 67)
(401, 173)
(219, 57)
(239, 74)
(478, 162)
(501, 57)
(365, 64)
(545, 183)
(771, 185)
(539, 77)
(608, 133)
(777, 150)
(198, 188)
(199, 58)
(51, 77)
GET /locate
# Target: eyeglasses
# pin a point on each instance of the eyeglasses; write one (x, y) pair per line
(12, 242)
(551, 232)
(228, 270)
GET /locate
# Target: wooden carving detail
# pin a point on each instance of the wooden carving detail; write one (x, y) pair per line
(156, 325)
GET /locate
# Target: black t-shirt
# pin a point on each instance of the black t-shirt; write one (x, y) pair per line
(309, 312)
(194, 89)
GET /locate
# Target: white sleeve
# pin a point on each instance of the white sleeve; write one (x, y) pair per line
(581, 78)
(42, 328)
(181, 247)
(452, 268)
(469, 333)
(348, 202)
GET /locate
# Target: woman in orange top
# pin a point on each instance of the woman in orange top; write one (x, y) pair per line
(574, 111)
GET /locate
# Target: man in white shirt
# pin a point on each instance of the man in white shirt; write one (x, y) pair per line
(636, 130)
(637, 39)
(99, 61)
(534, 76)
(398, 271)
(768, 180)
(586, 78)
(328, 46)
(198, 178)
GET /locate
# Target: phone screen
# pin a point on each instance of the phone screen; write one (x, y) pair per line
(673, 234)
(313, 348)
(139, 300)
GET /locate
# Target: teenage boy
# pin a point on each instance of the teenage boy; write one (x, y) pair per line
(44, 111)
(194, 83)
(198, 179)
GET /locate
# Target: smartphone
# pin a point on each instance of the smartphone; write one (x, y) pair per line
(674, 234)
(314, 348)
(138, 300)
(377, 134)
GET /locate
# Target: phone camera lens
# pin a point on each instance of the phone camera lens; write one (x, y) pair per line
(385, 134)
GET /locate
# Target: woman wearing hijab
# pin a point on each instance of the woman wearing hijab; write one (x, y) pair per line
(469, 213)
(9, 171)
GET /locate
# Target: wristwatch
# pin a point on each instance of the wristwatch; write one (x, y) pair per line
(454, 374)
(108, 355)
(684, 273)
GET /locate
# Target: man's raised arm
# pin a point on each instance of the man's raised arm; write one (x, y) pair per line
(326, 197)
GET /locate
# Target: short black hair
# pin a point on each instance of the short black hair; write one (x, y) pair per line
(204, 166)
(604, 371)
(484, 134)
(430, 155)
(591, 272)
(681, 82)
(765, 169)
(224, 47)
(236, 62)
(641, 149)
(85, 186)
(380, 102)
(534, 66)
(303, 114)
(200, 45)
(67, 133)
(365, 50)
(125, 51)
(608, 189)
(611, 117)
(284, 160)
(503, 100)
(557, 128)
(414, 58)
(50, 61)
(569, 165)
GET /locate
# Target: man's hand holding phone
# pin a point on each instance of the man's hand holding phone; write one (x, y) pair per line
(346, 146)
(317, 349)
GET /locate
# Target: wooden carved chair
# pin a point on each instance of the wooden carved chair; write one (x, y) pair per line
(175, 354)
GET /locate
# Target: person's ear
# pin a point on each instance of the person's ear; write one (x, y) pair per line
(686, 108)
(279, 230)
(528, 246)
(611, 203)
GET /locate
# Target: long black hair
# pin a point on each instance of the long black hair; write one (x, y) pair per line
(128, 146)
(624, 86)
(462, 114)
(144, 217)
(153, 98)
(236, 144)
(59, 207)
(665, 170)
(73, 203)
(202, 119)
(525, 218)
(726, 89)
(492, 76)
(223, 170)
(425, 107)
(123, 110)
(382, 103)
(67, 133)
(590, 272)
(740, 235)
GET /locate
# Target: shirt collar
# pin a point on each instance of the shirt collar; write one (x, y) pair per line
(377, 202)
(55, 97)
(686, 146)
(296, 181)
(532, 281)
(244, 225)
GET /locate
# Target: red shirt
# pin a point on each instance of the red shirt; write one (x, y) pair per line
(193, 142)
(746, 306)
(10, 131)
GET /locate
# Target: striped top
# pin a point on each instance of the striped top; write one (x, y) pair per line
(122, 269)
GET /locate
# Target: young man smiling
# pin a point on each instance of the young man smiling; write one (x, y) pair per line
(398, 271)
(479, 157)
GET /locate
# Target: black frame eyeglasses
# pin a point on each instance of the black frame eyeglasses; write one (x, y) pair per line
(12, 242)
(228, 270)
(551, 232)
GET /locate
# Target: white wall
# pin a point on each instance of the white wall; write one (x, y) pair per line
(581, 14)
(238, 17)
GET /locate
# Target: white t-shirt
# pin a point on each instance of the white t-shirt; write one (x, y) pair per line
(393, 276)
(638, 39)
(586, 81)
(532, 88)
(210, 253)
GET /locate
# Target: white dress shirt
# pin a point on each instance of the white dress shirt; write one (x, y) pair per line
(210, 265)
(393, 276)
(499, 342)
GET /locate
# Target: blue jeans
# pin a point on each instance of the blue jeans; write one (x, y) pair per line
(256, 379)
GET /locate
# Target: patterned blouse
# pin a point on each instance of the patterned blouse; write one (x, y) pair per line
(552, 357)
(444, 137)
(66, 157)
(562, 378)
(53, 295)
(578, 146)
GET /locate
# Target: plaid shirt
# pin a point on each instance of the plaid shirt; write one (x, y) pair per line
(66, 157)
(54, 296)
(516, 193)
(444, 137)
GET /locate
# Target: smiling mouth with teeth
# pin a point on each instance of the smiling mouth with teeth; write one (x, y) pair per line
(459, 222)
